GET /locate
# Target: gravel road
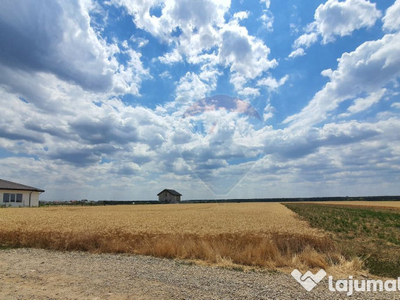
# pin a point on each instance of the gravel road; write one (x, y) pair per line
(42, 274)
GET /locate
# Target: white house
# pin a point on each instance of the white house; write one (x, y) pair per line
(16, 194)
(170, 196)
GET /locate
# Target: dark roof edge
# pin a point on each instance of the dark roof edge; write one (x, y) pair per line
(173, 192)
(25, 189)
(14, 186)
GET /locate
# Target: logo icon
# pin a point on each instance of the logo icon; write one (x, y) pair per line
(308, 280)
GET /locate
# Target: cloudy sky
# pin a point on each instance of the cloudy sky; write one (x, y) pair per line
(120, 99)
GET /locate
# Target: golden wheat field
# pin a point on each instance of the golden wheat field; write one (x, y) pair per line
(253, 234)
(171, 218)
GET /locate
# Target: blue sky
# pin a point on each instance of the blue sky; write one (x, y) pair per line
(120, 99)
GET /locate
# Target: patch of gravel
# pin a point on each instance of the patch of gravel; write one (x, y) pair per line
(43, 274)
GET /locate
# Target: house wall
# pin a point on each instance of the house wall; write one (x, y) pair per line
(168, 197)
(164, 196)
(25, 198)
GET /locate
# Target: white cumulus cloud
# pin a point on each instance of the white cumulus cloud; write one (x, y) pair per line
(391, 19)
(271, 83)
(368, 69)
(297, 52)
(337, 19)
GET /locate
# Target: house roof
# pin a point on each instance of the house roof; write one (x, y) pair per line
(9, 185)
(173, 192)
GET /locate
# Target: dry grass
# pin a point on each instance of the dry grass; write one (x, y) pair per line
(251, 234)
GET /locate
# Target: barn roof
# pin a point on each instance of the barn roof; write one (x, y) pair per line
(9, 185)
(173, 192)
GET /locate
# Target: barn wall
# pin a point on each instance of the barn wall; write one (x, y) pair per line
(168, 197)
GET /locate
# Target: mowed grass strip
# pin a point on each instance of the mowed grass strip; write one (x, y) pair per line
(251, 234)
(371, 233)
(389, 205)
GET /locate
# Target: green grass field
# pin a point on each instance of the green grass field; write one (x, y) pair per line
(371, 233)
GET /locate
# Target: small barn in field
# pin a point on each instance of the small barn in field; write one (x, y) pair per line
(169, 196)
(16, 194)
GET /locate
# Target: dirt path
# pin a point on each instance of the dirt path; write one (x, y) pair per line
(41, 274)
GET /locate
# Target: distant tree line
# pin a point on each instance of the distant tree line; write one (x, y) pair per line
(85, 202)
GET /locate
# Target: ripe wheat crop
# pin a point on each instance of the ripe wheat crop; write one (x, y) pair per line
(252, 234)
